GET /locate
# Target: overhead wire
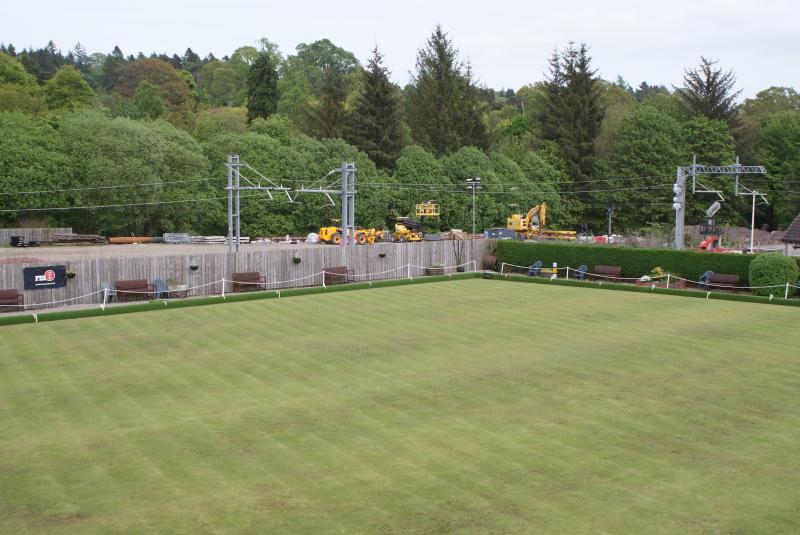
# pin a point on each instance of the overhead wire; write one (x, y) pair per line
(108, 186)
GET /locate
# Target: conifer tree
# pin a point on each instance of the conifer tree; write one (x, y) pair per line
(444, 108)
(572, 111)
(262, 88)
(375, 124)
(710, 92)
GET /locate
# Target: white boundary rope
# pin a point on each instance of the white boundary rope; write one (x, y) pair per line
(471, 262)
(550, 272)
(31, 306)
(543, 270)
(108, 293)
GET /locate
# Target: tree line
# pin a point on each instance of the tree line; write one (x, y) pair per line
(581, 143)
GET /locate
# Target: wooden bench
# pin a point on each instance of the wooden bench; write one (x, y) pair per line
(132, 289)
(721, 280)
(338, 275)
(248, 281)
(11, 300)
(607, 273)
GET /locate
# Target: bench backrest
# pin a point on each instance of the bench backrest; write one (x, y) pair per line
(247, 276)
(722, 278)
(132, 285)
(338, 270)
(8, 295)
(608, 270)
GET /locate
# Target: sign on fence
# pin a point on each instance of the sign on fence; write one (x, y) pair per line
(37, 278)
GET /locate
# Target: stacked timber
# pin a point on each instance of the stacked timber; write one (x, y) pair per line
(76, 238)
(217, 239)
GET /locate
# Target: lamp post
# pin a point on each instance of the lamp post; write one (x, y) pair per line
(473, 184)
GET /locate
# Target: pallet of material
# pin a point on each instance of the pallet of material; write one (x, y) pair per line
(123, 240)
(177, 237)
(77, 238)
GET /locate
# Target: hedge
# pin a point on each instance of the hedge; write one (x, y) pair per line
(43, 315)
(719, 296)
(773, 269)
(634, 262)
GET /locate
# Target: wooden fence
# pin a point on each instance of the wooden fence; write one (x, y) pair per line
(38, 234)
(368, 262)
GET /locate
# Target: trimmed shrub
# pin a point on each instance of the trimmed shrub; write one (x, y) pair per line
(634, 262)
(773, 269)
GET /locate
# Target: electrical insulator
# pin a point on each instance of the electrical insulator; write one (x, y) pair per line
(675, 199)
(676, 189)
(676, 206)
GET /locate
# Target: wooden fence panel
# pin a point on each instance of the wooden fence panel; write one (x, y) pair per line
(369, 262)
(38, 234)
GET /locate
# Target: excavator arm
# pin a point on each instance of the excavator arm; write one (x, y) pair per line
(536, 217)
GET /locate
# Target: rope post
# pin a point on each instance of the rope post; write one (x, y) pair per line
(668, 280)
(105, 299)
(323, 279)
(223, 288)
(408, 271)
(786, 293)
(567, 273)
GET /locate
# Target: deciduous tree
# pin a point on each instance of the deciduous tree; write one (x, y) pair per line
(67, 90)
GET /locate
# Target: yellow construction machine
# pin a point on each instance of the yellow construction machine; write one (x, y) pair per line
(406, 229)
(333, 235)
(531, 225)
(427, 209)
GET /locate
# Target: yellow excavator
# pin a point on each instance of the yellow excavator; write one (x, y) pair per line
(532, 224)
(333, 235)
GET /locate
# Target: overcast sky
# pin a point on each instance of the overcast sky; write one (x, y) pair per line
(507, 42)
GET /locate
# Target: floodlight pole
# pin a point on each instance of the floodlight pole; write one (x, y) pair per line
(753, 221)
(473, 184)
(679, 205)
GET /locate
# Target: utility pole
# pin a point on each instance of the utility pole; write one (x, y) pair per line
(348, 203)
(754, 194)
(235, 177)
(753, 221)
(610, 210)
(693, 171)
(473, 185)
(230, 203)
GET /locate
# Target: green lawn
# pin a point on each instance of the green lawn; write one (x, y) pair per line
(468, 406)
